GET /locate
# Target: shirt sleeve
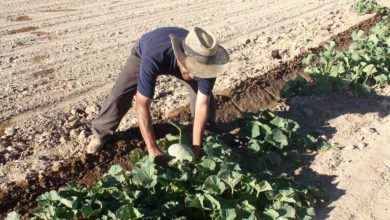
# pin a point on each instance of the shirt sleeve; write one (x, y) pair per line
(147, 77)
(205, 86)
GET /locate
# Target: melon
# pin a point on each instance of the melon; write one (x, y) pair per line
(181, 152)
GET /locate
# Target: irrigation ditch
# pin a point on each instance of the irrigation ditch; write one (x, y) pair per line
(249, 96)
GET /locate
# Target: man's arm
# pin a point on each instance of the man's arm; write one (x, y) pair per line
(201, 116)
(142, 106)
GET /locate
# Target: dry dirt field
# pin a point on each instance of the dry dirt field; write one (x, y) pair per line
(59, 59)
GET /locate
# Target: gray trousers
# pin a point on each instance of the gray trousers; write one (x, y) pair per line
(119, 101)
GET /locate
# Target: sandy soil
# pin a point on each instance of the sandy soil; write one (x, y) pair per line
(356, 176)
(59, 59)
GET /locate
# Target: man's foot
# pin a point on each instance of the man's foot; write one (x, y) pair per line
(95, 145)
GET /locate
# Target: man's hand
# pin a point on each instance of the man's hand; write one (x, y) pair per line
(196, 150)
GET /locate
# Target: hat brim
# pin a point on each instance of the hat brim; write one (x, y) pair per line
(214, 66)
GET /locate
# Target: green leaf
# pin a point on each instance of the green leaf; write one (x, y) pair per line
(356, 57)
(145, 173)
(254, 145)
(286, 195)
(330, 45)
(128, 212)
(213, 185)
(135, 155)
(263, 186)
(357, 35)
(308, 59)
(88, 212)
(287, 125)
(115, 170)
(280, 138)
(370, 69)
(247, 206)
(49, 196)
(13, 216)
(66, 202)
(382, 78)
(227, 214)
(206, 164)
(212, 148)
(374, 39)
(206, 202)
(271, 213)
(253, 129)
(211, 203)
(388, 41)
(231, 178)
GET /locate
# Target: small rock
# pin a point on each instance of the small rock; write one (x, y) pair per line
(92, 109)
(9, 148)
(62, 140)
(276, 55)
(72, 124)
(73, 133)
(73, 111)
(55, 167)
(82, 136)
(46, 134)
(298, 171)
(323, 137)
(361, 145)
(10, 131)
(245, 41)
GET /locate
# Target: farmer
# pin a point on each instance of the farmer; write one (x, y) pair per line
(194, 57)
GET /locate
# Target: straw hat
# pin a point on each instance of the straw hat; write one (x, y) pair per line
(200, 53)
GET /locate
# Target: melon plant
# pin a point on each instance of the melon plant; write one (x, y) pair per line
(225, 183)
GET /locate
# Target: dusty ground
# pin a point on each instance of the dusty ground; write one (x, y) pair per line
(58, 60)
(357, 175)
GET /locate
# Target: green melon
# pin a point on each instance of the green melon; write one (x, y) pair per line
(181, 152)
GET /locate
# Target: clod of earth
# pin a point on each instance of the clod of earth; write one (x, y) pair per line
(38, 59)
(43, 73)
(22, 30)
(20, 18)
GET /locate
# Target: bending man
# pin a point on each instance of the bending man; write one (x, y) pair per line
(194, 57)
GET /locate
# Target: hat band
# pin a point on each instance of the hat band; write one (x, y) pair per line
(195, 55)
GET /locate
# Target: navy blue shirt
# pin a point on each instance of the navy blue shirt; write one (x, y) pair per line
(157, 58)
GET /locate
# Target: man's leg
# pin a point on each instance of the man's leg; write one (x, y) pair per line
(119, 100)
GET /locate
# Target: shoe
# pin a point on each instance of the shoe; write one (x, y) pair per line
(95, 145)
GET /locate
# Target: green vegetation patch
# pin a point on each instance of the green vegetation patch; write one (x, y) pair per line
(225, 183)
